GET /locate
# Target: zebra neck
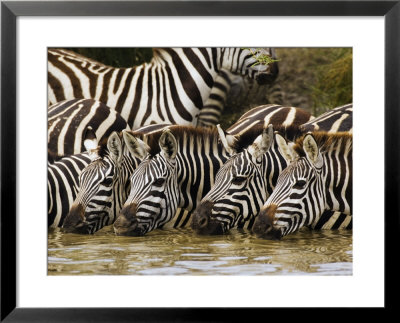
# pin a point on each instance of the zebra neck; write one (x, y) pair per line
(337, 177)
(273, 164)
(198, 161)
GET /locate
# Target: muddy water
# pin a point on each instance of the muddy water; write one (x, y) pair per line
(180, 252)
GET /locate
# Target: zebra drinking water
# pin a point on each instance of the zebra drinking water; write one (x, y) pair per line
(318, 178)
(172, 88)
(180, 170)
(245, 181)
(104, 183)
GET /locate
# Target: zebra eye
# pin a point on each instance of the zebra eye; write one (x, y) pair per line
(237, 180)
(107, 181)
(299, 183)
(159, 182)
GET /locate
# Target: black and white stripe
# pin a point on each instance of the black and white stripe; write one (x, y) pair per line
(62, 185)
(339, 119)
(177, 172)
(178, 176)
(104, 183)
(68, 120)
(318, 178)
(172, 88)
(244, 182)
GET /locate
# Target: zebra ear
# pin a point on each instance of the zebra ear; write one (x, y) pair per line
(311, 149)
(285, 148)
(168, 144)
(262, 143)
(136, 147)
(114, 146)
(90, 142)
(227, 140)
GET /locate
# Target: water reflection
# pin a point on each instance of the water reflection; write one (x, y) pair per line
(180, 252)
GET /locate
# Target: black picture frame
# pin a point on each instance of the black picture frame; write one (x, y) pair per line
(10, 10)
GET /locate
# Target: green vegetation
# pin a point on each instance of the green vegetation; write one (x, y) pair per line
(261, 59)
(317, 79)
(334, 80)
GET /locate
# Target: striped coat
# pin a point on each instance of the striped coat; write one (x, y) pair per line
(172, 88)
(68, 120)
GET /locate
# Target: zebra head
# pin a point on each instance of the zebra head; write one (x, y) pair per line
(239, 190)
(258, 63)
(103, 185)
(299, 197)
(153, 197)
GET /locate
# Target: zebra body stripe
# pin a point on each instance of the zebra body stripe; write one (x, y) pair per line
(184, 79)
(68, 120)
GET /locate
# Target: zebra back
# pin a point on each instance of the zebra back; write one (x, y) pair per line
(68, 120)
(262, 116)
(339, 119)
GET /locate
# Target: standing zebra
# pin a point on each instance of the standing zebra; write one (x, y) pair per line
(179, 170)
(104, 183)
(244, 182)
(318, 178)
(68, 120)
(62, 184)
(172, 88)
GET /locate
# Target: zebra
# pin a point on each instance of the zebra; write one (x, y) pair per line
(211, 112)
(172, 88)
(244, 183)
(62, 184)
(318, 178)
(339, 119)
(178, 171)
(104, 183)
(68, 120)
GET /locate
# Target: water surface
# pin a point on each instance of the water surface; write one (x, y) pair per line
(181, 252)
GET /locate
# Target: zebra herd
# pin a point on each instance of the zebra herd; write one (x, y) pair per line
(141, 149)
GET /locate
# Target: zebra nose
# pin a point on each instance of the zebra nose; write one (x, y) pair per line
(265, 78)
(201, 215)
(264, 221)
(126, 223)
(74, 219)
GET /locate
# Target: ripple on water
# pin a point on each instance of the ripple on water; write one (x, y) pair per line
(334, 268)
(182, 253)
(162, 271)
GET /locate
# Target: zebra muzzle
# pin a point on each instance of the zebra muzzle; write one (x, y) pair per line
(126, 223)
(264, 224)
(202, 222)
(75, 220)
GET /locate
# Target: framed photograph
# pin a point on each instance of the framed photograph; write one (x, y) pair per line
(43, 280)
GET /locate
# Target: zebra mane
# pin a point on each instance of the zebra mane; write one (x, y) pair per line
(325, 141)
(291, 133)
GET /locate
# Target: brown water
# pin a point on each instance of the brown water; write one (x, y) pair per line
(180, 252)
